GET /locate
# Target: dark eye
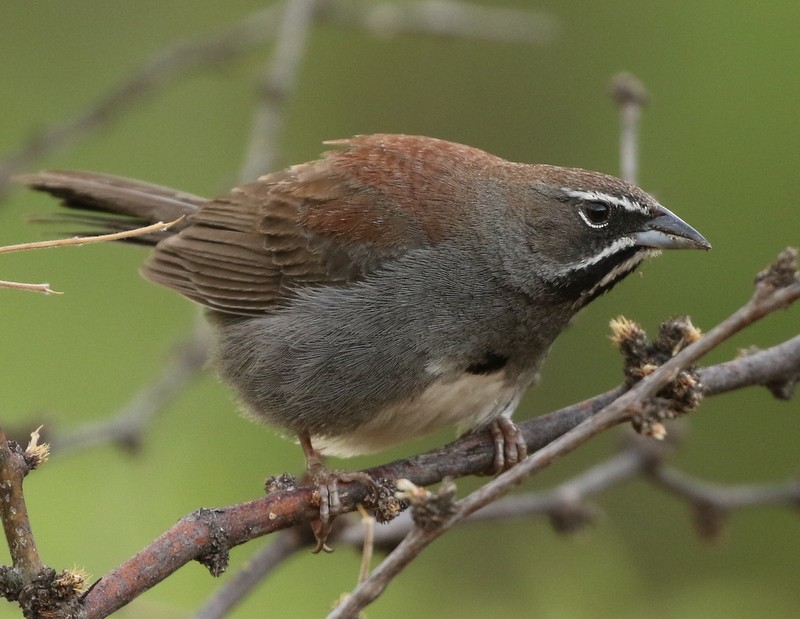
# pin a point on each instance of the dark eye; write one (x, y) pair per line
(595, 214)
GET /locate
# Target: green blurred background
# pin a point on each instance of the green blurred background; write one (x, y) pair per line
(719, 146)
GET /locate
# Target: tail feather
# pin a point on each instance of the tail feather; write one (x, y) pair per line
(126, 203)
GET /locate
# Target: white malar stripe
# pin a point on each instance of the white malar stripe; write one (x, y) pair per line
(622, 202)
(621, 268)
(616, 246)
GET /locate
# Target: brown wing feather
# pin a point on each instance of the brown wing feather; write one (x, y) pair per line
(328, 221)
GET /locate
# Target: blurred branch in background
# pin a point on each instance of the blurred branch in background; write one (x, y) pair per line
(210, 52)
(126, 426)
(160, 71)
(630, 95)
(276, 88)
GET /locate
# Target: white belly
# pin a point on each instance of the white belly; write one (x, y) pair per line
(469, 401)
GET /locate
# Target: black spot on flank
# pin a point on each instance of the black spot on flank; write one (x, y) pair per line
(491, 362)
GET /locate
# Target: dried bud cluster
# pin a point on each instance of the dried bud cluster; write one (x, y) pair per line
(36, 453)
(48, 594)
(428, 509)
(70, 582)
(643, 357)
(388, 503)
(781, 273)
(280, 483)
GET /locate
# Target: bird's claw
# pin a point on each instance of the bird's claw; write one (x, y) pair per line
(330, 504)
(509, 444)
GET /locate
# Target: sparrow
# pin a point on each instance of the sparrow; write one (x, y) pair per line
(394, 286)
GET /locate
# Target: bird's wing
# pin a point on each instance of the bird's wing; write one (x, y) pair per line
(330, 221)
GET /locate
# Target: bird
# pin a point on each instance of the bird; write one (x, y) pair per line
(394, 286)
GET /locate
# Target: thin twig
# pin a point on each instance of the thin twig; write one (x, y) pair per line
(368, 545)
(88, 240)
(77, 240)
(43, 288)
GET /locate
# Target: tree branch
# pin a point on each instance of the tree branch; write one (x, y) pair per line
(14, 512)
(777, 368)
(208, 534)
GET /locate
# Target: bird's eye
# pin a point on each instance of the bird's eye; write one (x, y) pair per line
(595, 214)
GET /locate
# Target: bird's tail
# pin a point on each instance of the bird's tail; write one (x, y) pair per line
(113, 203)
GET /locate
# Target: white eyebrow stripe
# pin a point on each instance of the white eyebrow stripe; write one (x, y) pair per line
(596, 196)
(617, 246)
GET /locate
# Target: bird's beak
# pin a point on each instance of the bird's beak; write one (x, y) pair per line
(668, 231)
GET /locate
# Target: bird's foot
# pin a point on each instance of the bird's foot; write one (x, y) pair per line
(330, 504)
(327, 483)
(509, 444)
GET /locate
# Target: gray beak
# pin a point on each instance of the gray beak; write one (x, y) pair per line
(668, 231)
